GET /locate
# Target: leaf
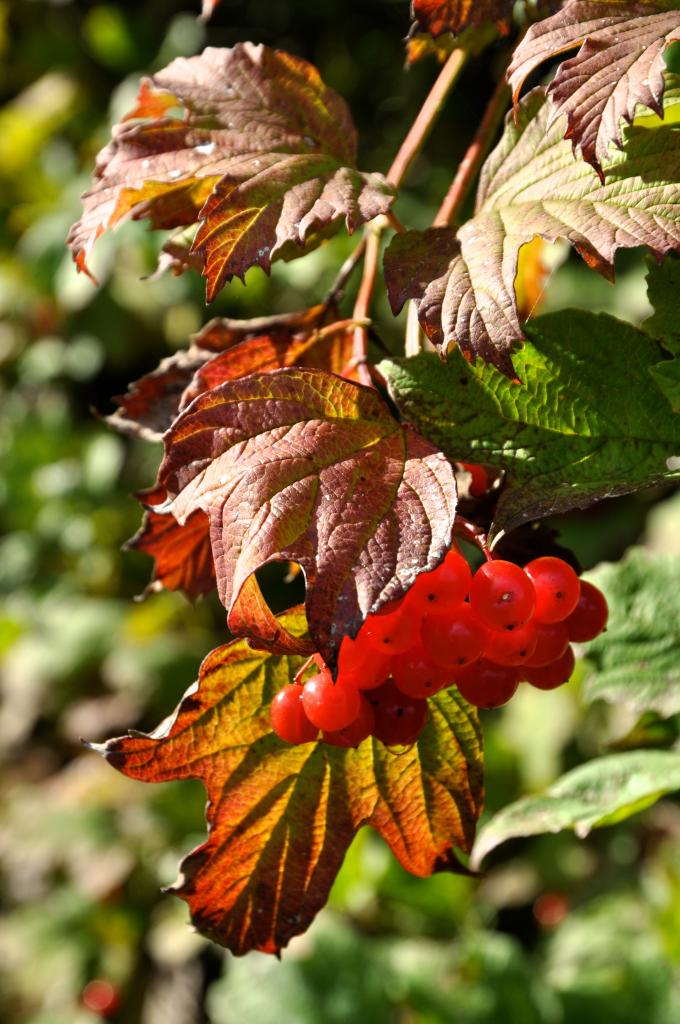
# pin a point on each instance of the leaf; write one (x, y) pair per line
(667, 377)
(601, 792)
(439, 16)
(225, 350)
(663, 288)
(281, 817)
(564, 436)
(619, 65)
(181, 552)
(635, 662)
(300, 465)
(531, 185)
(262, 153)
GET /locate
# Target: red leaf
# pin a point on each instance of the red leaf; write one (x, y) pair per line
(439, 16)
(182, 553)
(300, 465)
(619, 64)
(262, 153)
(281, 817)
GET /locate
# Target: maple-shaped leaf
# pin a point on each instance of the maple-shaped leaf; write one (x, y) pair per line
(281, 817)
(300, 465)
(532, 185)
(619, 65)
(227, 349)
(250, 142)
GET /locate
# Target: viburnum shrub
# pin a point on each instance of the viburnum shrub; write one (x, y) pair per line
(407, 492)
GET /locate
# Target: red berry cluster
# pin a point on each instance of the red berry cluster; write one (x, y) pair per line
(484, 633)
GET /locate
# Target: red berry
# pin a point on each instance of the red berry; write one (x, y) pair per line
(444, 587)
(553, 675)
(330, 706)
(511, 646)
(502, 595)
(357, 731)
(418, 676)
(453, 639)
(399, 719)
(487, 685)
(557, 588)
(590, 615)
(101, 997)
(552, 640)
(361, 664)
(393, 629)
(288, 718)
(479, 484)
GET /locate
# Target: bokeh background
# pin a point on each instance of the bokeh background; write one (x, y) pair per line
(558, 931)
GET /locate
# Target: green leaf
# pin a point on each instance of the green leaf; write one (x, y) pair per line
(635, 662)
(667, 377)
(587, 422)
(601, 792)
(663, 289)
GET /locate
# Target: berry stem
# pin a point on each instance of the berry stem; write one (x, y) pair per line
(474, 534)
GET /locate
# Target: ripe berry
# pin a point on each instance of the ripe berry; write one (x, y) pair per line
(361, 664)
(553, 675)
(479, 484)
(487, 685)
(288, 718)
(557, 588)
(330, 706)
(511, 647)
(444, 587)
(393, 629)
(552, 640)
(502, 596)
(590, 615)
(418, 676)
(357, 731)
(454, 639)
(399, 719)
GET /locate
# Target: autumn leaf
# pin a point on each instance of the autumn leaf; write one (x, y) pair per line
(440, 16)
(531, 185)
(249, 142)
(181, 553)
(227, 349)
(619, 65)
(281, 817)
(300, 465)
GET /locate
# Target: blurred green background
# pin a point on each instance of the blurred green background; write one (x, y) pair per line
(558, 931)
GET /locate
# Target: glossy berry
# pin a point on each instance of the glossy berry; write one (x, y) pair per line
(553, 675)
(399, 719)
(418, 676)
(444, 587)
(502, 596)
(357, 731)
(487, 685)
(590, 615)
(552, 640)
(393, 629)
(557, 588)
(288, 718)
(454, 639)
(479, 482)
(361, 664)
(330, 706)
(511, 647)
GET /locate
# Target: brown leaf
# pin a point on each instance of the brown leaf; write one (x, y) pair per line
(282, 817)
(152, 402)
(262, 153)
(439, 16)
(531, 185)
(181, 552)
(300, 465)
(619, 64)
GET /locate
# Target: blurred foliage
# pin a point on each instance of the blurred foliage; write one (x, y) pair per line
(557, 931)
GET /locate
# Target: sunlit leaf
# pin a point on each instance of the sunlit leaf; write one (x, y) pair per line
(619, 64)
(182, 554)
(281, 817)
(249, 142)
(300, 465)
(439, 16)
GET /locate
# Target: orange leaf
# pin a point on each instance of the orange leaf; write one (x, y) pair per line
(182, 553)
(281, 817)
